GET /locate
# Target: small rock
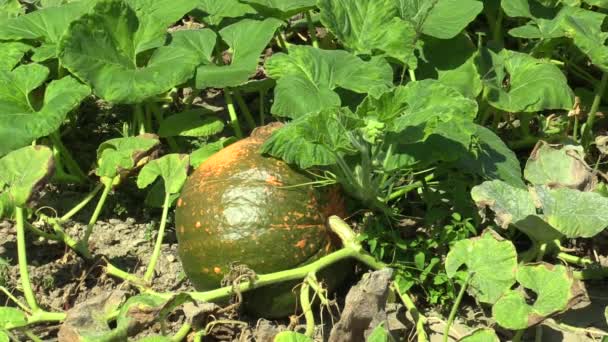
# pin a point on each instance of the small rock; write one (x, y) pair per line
(114, 221)
(130, 220)
(170, 258)
(121, 226)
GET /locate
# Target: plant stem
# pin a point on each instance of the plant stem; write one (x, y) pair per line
(455, 307)
(575, 129)
(573, 259)
(14, 299)
(182, 333)
(282, 43)
(518, 335)
(131, 278)
(312, 31)
(412, 74)
(262, 109)
(244, 108)
(234, 120)
(588, 131)
(28, 293)
(41, 233)
(159, 239)
(95, 216)
(419, 319)
(307, 308)
(82, 203)
(595, 273)
(66, 156)
(138, 117)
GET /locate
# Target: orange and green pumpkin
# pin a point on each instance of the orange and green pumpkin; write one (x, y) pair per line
(241, 207)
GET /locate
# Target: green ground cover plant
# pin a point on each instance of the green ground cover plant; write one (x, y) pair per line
(469, 139)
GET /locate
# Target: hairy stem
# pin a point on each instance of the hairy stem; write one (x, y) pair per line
(159, 239)
(28, 293)
(234, 120)
(452, 316)
(71, 164)
(307, 308)
(81, 204)
(244, 108)
(312, 31)
(588, 131)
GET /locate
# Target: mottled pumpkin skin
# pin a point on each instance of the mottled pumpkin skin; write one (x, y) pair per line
(241, 207)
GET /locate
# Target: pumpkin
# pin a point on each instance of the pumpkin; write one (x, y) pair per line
(240, 207)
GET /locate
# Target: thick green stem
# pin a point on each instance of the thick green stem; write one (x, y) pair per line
(452, 316)
(78, 247)
(307, 308)
(182, 333)
(71, 164)
(518, 335)
(588, 132)
(42, 233)
(234, 120)
(312, 31)
(28, 293)
(131, 278)
(262, 109)
(282, 44)
(159, 239)
(81, 204)
(102, 200)
(138, 118)
(573, 259)
(419, 318)
(244, 108)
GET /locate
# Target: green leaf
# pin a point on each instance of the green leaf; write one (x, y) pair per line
(533, 85)
(191, 123)
(291, 336)
(10, 9)
(4, 336)
(200, 155)
(379, 334)
(106, 49)
(490, 261)
(481, 335)
(21, 120)
(247, 39)
(24, 171)
(556, 291)
(558, 166)
(119, 156)
(563, 211)
(45, 25)
(442, 19)
(314, 139)
(313, 74)
(11, 54)
(585, 29)
(218, 10)
(11, 317)
(281, 8)
(366, 26)
(143, 310)
(456, 69)
(492, 159)
(172, 168)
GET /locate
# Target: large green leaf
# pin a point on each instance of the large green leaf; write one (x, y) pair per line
(313, 139)
(481, 335)
(562, 212)
(456, 68)
(533, 84)
(11, 53)
(119, 156)
(218, 10)
(491, 263)
(440, 18)
(104, 48)
(558, 166)
(247, 39)
(11, 317)
(191, 123)
(45, 25)
(492, 159)
(21, 120)
(556, 291)
(307, 78)
(366, 26)
(280, 8)
(23, 172)
(10, 9)
(585, 29)
(172, 168)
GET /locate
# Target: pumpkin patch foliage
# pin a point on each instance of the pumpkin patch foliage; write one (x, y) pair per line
(275, 151)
